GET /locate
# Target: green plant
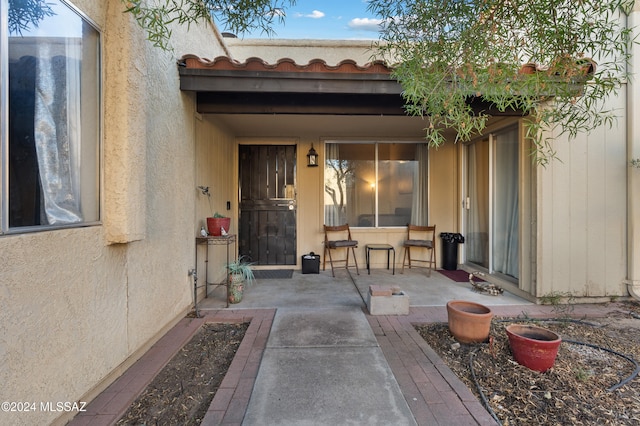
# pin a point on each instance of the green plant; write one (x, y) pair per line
(236, 16)
(562, 302)
(553, 298)
(240, 267)
(635, 163)
(25, 15)
(218, 215)
(460, 62)
(582, 374)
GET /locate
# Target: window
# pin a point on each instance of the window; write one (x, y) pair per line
(375, 184)
(51, 116)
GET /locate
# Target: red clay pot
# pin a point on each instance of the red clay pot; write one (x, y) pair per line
(534, 347)
(469, 322)
(215, 223)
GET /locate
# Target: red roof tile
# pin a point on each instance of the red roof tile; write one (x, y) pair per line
(284, 65)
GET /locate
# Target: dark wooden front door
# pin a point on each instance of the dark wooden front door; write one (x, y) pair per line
(267, 230)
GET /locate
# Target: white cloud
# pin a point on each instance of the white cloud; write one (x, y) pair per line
(365, 24)
(316, 14)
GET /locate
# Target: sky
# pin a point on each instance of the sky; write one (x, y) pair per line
(326, 19)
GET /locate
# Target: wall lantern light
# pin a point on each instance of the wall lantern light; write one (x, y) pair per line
(312, 158)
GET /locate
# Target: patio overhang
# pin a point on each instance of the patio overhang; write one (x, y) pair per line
(226, 86)
(255, 87)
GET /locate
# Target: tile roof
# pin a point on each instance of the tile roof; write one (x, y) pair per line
(224, 63)
(347, 66)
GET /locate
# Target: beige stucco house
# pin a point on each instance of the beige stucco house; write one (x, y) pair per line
(97, 247)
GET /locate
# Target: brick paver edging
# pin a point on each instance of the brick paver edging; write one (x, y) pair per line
(232, 398)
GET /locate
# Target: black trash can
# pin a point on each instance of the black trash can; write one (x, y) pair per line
(311, 263)
(450, 241)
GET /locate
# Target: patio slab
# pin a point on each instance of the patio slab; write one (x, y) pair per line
(302, 290)
(434, 290)
(319, 290)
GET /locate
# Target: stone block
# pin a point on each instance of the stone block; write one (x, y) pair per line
(379, 290)
(396, 303)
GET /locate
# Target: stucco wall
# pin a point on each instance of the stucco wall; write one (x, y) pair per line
(582, 214)
(76, 304)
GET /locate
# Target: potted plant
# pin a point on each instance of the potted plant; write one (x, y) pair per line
(240, 274)
(217, 223)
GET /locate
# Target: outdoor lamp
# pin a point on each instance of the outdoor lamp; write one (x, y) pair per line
(312, 158)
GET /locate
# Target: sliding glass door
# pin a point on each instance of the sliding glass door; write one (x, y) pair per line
(492, 203)
(477, 239)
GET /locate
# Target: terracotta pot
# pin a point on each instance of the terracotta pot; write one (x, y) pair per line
(469, 322)
(214, 225)
(235, 290)
(534, 347)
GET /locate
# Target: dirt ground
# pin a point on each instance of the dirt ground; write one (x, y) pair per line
(182, 392)
(576, 390)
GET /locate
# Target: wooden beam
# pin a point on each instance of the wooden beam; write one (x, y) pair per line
(295, 103)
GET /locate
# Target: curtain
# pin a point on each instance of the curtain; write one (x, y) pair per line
(419, 204)
(333, 213)
(57, 132)
(506, 224)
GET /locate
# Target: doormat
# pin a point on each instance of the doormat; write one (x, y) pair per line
(458, 275)
(268, 274)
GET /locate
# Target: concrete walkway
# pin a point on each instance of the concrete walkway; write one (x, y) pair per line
(324, 367)
(319, 358)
